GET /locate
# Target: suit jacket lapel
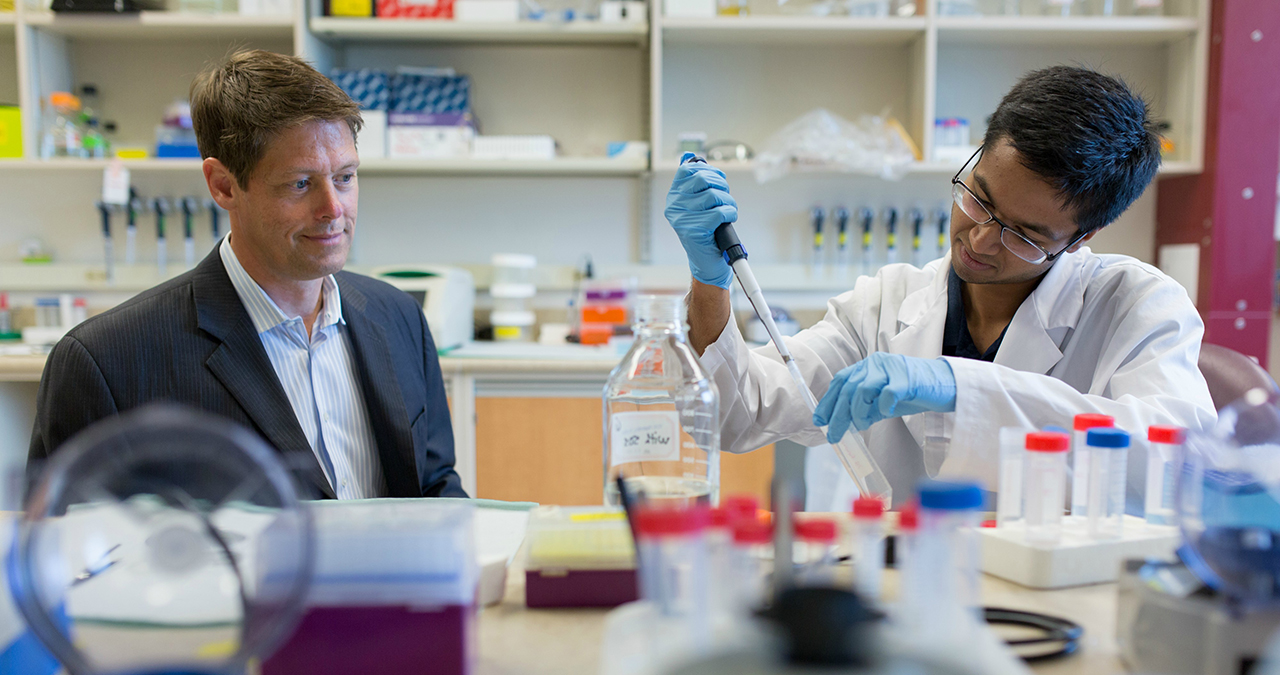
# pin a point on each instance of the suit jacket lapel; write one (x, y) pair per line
(240, 363)
(387, 413)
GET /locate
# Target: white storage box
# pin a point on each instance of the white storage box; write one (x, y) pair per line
(428, 136)
(514, 147)
(372, 143)
(690, 9)
(486, 10)
(1077, 560)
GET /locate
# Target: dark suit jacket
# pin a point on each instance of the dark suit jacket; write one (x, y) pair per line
(191, 341)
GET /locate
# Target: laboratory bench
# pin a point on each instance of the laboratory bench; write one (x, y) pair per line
(527, 421)
(512, 639)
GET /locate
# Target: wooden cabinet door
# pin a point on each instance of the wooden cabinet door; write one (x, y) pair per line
(549, 450)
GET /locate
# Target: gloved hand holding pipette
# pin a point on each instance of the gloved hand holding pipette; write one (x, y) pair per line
(882, 386)
(698, 203)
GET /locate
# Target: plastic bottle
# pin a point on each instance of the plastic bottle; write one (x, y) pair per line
(1162, 454)
(1107, 467)
(62, 135)
(90, 119)
(1080, 458)
(661, 413)
(912, 604)
(1046, 484)
(752, 545)
(868, 547)
(945, 558)
(1009, 501)
(672, 553)
(816, 544)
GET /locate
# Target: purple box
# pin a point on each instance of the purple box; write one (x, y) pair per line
(385, 640)
(579, 588)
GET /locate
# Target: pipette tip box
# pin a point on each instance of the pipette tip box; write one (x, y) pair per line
(1077, 560)
(578, 557)
(394, 588)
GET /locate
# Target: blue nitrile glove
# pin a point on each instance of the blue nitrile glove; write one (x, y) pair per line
(697, 204)
(883, 386)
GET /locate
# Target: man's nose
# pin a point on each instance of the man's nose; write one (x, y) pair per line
(328, 205)
(985, 239)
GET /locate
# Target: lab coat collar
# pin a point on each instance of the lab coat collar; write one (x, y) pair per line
(388, 416)
(241, 364)
(1032, 343)
(922, 317)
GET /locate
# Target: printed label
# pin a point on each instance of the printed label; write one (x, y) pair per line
(644, 437)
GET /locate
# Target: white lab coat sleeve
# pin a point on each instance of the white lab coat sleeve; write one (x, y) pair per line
(759, 403)
(1148, 374)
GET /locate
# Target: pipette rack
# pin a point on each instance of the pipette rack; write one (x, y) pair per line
(1076, 560)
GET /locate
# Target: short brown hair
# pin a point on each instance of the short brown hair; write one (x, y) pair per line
(239, 106)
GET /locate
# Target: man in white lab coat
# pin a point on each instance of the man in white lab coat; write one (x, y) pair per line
(1020, 325)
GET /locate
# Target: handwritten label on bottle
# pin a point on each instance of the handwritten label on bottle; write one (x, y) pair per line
(644, 437)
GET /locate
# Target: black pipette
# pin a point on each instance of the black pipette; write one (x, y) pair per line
(107, 247)
(213, 219)
(842, 236)
(131, 229)
(891, 235)
(818, 215)
(188, 233)
(161, 206)
(943, 217)
(917, 224)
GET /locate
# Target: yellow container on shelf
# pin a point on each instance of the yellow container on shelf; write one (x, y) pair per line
(358, 8)
(10, 131)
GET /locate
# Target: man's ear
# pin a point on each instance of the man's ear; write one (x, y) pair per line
(222, 184)
(1084, 240)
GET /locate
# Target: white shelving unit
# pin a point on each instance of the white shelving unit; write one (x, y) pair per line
(588, 84)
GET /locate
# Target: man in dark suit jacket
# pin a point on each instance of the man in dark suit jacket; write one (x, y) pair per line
(337, 371)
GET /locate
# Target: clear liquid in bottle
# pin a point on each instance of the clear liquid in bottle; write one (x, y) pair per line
(661, 414)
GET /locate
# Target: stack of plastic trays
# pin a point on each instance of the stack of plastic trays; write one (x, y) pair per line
(512, 290)
(604, 309)
(579, 557)
(394, 588)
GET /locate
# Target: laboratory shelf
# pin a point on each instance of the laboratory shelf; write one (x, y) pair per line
(1168, 168)
(8, 18)
(163, 25)
(801, 30)
(100, 164)
(447, 30)
(561, 166)
(1077, 31)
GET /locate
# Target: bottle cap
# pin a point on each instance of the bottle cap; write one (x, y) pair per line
(821, 531)
(661, 521)
(868, 507)
(1048, 441)
(1169, 435)
(720, 519)
(62, 99)
(950, 496)
(909, 518)
(741, 506)
(1088, 421)
(1107, 438)
(752, 532)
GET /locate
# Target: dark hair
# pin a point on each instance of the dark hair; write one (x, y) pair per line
(1087, 134)
(239, 106)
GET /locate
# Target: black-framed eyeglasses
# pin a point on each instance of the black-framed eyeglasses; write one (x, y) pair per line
(977, 211)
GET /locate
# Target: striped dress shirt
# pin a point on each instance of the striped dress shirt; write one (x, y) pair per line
(320, 378)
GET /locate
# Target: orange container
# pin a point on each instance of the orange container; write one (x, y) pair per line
(615, 314)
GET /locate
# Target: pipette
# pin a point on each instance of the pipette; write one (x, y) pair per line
(188, 234)
(107, 248)
(943, 217)
(213, 219)
(891, 239)
(868, 217)
(917, 224)
(818, 215)
(851, 450)
(161, 206)
(842, 239)
(131, 228)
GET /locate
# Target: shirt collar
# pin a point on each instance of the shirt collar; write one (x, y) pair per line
(263, 311)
